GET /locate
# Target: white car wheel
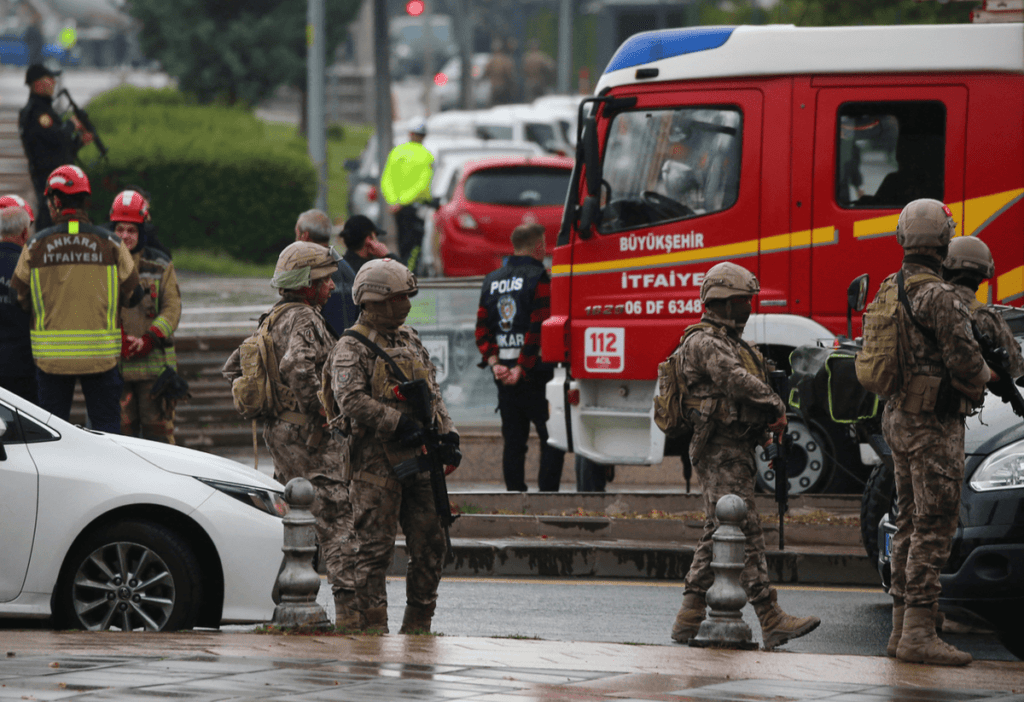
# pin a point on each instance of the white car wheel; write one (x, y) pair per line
(131, 576)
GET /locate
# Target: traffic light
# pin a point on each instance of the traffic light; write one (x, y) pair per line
(414, 8)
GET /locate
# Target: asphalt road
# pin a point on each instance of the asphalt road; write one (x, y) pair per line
(855, 621)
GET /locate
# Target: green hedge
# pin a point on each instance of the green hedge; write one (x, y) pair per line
(217, 182)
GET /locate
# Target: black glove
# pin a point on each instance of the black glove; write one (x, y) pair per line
(409, 432)
(450, 438)
(449, 454)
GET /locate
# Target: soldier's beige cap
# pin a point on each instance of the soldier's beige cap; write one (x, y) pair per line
(382, 279)
(925, 223)
(971, 254)
(301, 263)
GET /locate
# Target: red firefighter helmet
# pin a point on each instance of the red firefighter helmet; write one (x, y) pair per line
(17, 201)
(68, 180)
(129, 206)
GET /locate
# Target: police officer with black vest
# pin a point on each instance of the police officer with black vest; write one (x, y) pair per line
(49, 142)
(514, 302)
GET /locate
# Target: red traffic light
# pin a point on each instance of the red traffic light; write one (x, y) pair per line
(414, 8)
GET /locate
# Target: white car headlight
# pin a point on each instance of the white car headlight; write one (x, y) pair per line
(1002, 470)
(262, 499)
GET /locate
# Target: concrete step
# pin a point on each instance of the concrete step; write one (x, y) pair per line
(684, 530)
(518, 557)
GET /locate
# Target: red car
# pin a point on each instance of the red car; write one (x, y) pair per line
(491, 198)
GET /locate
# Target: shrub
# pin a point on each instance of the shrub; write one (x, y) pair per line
(216, 181)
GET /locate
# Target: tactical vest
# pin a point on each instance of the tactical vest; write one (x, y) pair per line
(382, 388)
(156, 276)
(712, 403)
(74, 285)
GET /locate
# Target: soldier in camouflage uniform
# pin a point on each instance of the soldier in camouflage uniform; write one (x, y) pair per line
(363, 405)
(944, 378)
(148, 344)
(732, 406)
(296, 437)
(969, 263)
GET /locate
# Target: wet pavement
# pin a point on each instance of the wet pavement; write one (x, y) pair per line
(209, 666)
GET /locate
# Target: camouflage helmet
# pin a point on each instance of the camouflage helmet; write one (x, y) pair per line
(300, 264)
(726, 280)
(925, 223)
(968, 253)
(381, 279)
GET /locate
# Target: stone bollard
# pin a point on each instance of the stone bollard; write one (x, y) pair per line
(298, 583)
(724, 627)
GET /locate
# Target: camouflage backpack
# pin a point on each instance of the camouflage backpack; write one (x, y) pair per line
(669, 411)
(259, 392)
(880, 363)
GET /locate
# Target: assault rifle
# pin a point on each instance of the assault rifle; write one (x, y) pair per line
(434, 452)
(83, 117)
(998, 359)
(778, 454)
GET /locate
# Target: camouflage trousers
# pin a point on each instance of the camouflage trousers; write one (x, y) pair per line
(360, 523)
(928, 454)
(141, 411)
(723, 469)
(293, 458)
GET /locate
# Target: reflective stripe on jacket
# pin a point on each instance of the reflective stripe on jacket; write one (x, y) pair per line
(74, 275)
(160, 310)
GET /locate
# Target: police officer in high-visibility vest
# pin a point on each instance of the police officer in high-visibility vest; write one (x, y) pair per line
(405, 184)
(148, 346)
(74, 276)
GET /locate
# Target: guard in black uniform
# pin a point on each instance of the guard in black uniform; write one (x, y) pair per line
(514, 302)
(17, 369)
(49, 142)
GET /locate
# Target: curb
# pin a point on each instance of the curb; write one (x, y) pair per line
(631, 560)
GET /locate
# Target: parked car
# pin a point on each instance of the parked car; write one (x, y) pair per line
(565, 109)
(491, 198)
(364, 180)
(523, 123)
(984, 576)
(112, 532)
(449, 83)
(447, 170)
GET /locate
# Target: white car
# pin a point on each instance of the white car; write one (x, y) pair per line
(102, 531)
(524, 123)
(449, 90)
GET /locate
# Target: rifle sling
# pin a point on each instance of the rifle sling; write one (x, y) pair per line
(379, 351)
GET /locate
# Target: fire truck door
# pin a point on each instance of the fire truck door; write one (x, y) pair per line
(877, 147)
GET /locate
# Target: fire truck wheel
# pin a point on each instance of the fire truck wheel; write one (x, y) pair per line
(810, 469)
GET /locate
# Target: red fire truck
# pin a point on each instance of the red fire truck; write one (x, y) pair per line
(790, 151)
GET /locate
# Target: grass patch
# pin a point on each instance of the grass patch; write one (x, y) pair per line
(220, 264)
(469, 508)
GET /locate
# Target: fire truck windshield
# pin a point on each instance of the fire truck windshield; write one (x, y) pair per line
(665, 165)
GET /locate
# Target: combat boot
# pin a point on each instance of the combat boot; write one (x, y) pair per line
(417, 619)
(346, 616)
(920, 643)
(377, 619)
(777, 627)
(690, 615)
(897, 627)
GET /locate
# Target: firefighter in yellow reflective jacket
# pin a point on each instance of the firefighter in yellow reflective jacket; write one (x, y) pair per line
(74, 276)
(148, 346)
(405, 184)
